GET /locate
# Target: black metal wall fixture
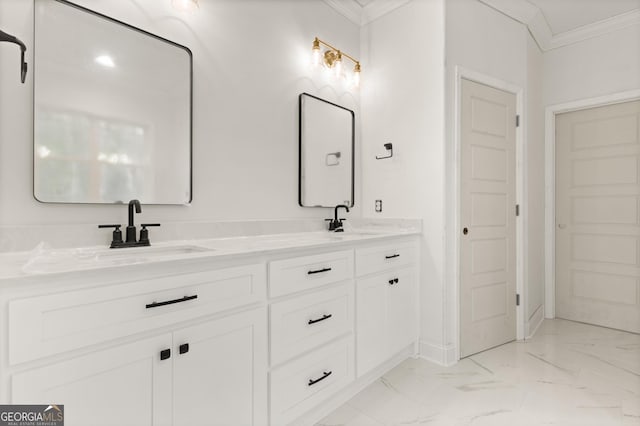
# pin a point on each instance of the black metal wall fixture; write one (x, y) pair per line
(12, 39)
(389, 148)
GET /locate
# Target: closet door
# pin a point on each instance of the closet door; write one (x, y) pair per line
(488, 218)
(597, 216)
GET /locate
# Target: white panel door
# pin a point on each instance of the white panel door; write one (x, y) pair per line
(220, 378)
(597, 216)
(487, 206)
(127, 385)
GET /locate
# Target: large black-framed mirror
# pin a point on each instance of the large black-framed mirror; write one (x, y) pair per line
(326, 153)
(112, 110)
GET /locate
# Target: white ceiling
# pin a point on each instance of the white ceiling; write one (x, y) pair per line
(364, 3)
(567, 15)
(556, 23)
(362, 12)
(553, 23)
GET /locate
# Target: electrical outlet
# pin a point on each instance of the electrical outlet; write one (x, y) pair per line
(378, 206)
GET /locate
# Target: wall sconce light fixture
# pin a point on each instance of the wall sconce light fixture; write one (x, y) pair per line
(185, 5)
(332, 59)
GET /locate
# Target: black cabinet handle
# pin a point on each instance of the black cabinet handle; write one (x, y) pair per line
(184, 348)
(317, 271)
(171, 302)
(392, 256)
(165, 354)
(324, 317)
(393, 281)
(325, 374)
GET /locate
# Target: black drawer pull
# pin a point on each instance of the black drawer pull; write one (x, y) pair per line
(317, 271)
(324, 376)
(165, 354)
(324, 317)
(393, 281)
(184, 348)
(392, 256)
(171, 302)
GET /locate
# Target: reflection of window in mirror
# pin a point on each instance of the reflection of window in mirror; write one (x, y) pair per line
(112, 110)
(86, 157)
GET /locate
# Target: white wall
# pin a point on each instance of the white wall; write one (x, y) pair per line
(534, 203)
(595, 67)
(250, 64)
(402, 101)
(484, 41)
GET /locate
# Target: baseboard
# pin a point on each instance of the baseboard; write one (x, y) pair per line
(535, 321)
(438, 354)
(337, 400)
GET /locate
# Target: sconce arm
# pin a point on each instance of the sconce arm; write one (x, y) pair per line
(23, 48)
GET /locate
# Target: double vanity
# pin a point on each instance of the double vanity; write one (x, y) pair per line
(273, 329)
(261, 330)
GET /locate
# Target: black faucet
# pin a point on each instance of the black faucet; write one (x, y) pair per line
(131, 230)
(335, 224)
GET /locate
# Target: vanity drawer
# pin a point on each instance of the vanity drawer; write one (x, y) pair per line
(56, 323)
(308, 321)
(302, 384)
(383, 257)
(304, 273)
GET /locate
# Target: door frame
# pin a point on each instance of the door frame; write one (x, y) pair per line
(520, 195)
(550, 183)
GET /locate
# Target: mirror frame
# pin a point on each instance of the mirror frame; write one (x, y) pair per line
(300, 144)
(131, 27)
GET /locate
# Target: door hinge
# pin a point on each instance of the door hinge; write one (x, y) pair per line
(517, 209)
(517, 300)
(517, 121)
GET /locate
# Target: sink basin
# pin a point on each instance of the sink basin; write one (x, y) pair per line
(150, 252)
(70, 260)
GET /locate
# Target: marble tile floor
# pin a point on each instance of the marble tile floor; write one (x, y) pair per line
(568, 374)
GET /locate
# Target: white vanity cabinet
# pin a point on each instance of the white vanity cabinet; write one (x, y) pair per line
(125, 384)
(201, 359)
(220, 379)
(311, 332)
(273, 338)
(387, 305)
(214, 372)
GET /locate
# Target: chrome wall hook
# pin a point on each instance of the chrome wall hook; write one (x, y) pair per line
(388, 147)
(23, 48)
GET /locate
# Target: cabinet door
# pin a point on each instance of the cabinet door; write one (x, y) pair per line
(221, 377)
(371, 323)
(402, 310)
(125, 385)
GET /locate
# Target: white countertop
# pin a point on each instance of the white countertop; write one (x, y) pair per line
(44, 261)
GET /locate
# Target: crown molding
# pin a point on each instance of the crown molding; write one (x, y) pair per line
(378, 8)
(596, 29)
(359, 15)
(531, 16)
(350, 9)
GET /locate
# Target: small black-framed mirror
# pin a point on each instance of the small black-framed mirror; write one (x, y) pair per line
(326, 153)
